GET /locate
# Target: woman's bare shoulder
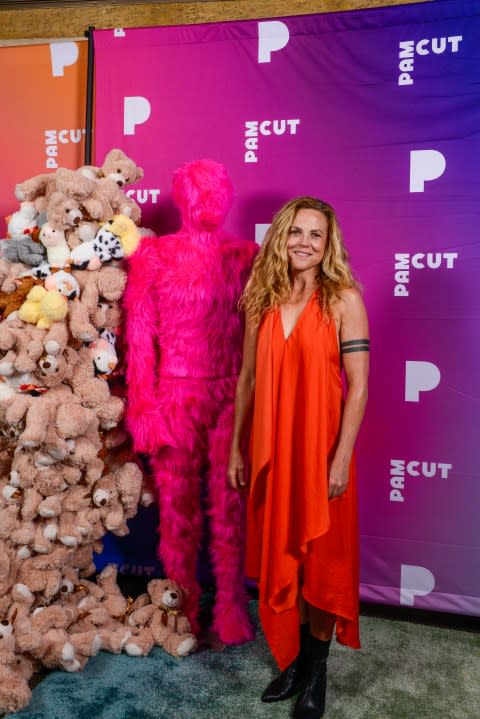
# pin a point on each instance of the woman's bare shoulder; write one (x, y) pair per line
(351, 296)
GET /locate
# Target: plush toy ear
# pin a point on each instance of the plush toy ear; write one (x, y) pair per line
(139, 173)
(114, 155)
(71, 355)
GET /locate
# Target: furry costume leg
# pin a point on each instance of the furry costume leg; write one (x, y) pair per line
(178, 490)
(227, 539)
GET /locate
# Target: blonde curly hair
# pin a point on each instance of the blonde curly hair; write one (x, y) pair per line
(270, 282)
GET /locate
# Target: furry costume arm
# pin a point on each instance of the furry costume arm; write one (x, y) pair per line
(143, 419)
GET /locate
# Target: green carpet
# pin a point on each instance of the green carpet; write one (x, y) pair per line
(405, 671)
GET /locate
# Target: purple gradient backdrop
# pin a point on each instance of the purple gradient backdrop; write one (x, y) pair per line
(338, 74)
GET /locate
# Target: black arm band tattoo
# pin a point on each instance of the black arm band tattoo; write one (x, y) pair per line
(354, 346)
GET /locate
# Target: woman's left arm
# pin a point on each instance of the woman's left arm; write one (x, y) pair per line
(354, 349)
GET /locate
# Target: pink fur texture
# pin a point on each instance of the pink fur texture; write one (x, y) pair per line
(184, 337)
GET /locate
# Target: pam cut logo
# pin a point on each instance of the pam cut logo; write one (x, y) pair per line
(63, 137)
(406, 262)
(144, 196)
(401, 470)
(255, 128)
(408, 49)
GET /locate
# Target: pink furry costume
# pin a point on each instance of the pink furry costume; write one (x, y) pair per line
(184, 337)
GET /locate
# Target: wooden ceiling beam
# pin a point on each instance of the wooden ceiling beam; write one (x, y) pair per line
(72, 22)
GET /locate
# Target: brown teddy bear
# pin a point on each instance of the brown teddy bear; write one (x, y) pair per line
(59, 647)
(113, 600)
(93, 606)
(105, 285)
(42, 574)
(9, 522)
(37, 189)
(94, 392)
(74, 421)
(163, 616)
(9, 273)
(116, 172)
(119, 168)
(53, 370)
(9, 564)
(56, 339)
(85, 519)
(86, 193)
(107, 316)
(106, 497)
(27, 639)
(82, 557)
(25, 499)
(14, 690)
(25, 341)
(37, 413)
(118, 201)
(63, 213)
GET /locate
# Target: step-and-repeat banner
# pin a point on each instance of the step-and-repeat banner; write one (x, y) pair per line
(42, 122)
(378, 113)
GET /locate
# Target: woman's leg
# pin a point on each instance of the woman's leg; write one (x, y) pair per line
(303, 608)
(321, 623)
(311, 701)
(287, 683)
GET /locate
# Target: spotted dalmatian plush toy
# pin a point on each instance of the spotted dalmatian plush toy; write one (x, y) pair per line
(91, 255)
(107, 245)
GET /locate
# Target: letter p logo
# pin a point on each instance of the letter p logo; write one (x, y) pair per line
(62, 54)
(136, 111)
(415, 582)
(425, 165)
(420, 377)
(272, 35)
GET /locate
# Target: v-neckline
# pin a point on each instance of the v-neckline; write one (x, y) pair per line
(302, 312)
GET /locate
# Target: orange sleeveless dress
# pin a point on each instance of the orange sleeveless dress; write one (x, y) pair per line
(293, 529)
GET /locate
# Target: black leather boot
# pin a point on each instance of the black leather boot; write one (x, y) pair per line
(311, 701)
(287, 683)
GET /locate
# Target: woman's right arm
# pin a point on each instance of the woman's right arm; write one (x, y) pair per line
(243, 404)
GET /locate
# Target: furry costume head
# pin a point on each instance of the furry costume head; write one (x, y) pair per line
(203, 193)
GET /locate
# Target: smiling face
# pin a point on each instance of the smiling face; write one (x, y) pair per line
(307, 240)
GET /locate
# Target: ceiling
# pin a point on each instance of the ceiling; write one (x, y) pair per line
(29, 4)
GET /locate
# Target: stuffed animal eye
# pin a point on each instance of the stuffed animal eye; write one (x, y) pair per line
(66, 587)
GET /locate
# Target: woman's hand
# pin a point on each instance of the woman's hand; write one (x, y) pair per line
(338, 478)
(236, 470)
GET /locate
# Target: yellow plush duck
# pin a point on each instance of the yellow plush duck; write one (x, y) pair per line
(127, 232)
(42, 307)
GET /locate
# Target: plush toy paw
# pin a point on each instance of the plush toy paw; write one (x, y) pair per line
(187, 645)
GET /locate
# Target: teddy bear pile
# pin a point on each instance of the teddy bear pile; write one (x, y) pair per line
(68, 474)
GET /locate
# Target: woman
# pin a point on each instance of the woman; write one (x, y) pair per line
(305, 320)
